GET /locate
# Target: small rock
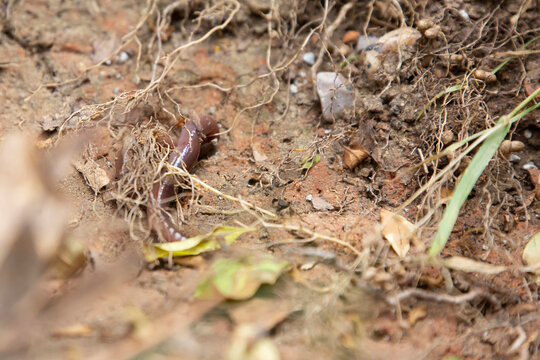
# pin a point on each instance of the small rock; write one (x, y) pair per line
(365, 42)
(115, 90)
(514, 158)
(527, 133)
(309, 58)
(320, 203)
(123, 57)
(309, 197)
(293, 88)
(350, 36)
(529, 166)
(447, 137)
(282, 204)
(336, 95)
(302, 74)
(381, 61)
(464, 15)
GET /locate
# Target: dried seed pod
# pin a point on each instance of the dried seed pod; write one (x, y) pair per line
(433, 32)
(507, 147)
(351, 36)
(447, 137)
(485, 76)
(424, 24)
(457, 58)
(354, 154)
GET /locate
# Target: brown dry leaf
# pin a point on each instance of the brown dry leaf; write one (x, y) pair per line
(417, 313)
(265, 313)
(320, 203)
(95, 176)
(535, 179)
(75, 330)
(354, 154)
(398, 231)
(258, 155)
(469, 265)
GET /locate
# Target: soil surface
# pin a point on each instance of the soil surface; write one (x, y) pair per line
(92, 90)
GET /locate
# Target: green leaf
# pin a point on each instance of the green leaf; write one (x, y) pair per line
(239, 279)
(308, 163)
(195, 245)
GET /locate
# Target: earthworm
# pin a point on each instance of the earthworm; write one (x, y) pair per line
(194, 140)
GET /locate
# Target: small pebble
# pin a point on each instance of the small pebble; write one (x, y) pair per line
(529, 166)
(528, 133)
(309, 58)
(326, 131)
(309, 197)
(464, 15)
(116, 90)
(108, 62)
(514, 158)
(118, 76)
(302, 74)
(212, 110)
(293, 88)
(484, 247)
(123, 57)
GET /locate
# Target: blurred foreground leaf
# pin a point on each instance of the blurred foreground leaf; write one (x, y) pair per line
(195, 245)
(239, 279)
(531, 254)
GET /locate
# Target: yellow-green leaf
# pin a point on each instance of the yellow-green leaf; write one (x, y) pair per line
(531, 254)
(240, 279)
(195, 245)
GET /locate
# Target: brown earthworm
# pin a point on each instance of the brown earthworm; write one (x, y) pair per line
(194, 139)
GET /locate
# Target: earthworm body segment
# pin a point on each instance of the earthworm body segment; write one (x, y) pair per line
(192, 142)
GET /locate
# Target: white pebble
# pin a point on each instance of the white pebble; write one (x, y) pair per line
(293, 88)
(528, 133)
(309, 197)
(336, 95)
(108, 62)
(484, 247)
(514, 158)
(211, 110)
(326, 131)
(529, 166)
(309, 58)
(116, 90)
(464, 15)
(122, 58)
(302, 74)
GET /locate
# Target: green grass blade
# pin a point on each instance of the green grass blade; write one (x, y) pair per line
(474, 170)
(465, 185)
(510, 57)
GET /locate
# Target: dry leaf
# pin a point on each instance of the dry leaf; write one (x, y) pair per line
(265, 313)
(76, 330)
(95, 176)
(535, 179)
(398, 231)
(354, 154)
(320, 203)
(417, 313)
(531, 254)
(469, 265)
(259, 156)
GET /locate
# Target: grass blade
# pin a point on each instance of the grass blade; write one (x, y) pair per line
(473, 172)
